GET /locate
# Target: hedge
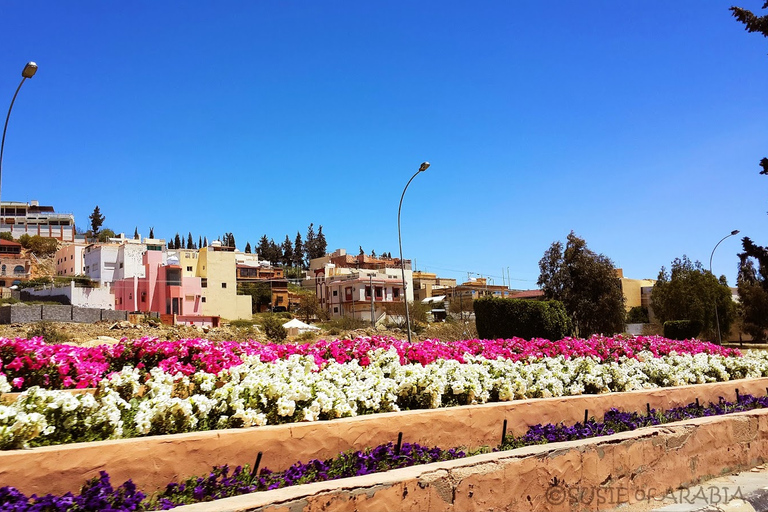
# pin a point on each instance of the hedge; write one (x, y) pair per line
(506, 318)
(682, 329)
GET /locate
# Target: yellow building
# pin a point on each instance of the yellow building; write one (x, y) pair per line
(633, 290)
(215, 264)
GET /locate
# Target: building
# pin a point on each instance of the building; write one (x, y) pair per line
(163, 288)
(14, 266)
(272, 276)
(637, 292)
(426, 285)
(350, 285)
(70, 259)
(217, 269)
(32, 219)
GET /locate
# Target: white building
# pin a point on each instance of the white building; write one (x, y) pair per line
(32, 219)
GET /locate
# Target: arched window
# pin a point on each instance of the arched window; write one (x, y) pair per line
(18, 269)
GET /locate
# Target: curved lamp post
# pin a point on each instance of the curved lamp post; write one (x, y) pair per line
(717, 319)
(422, 167)
(28, 72)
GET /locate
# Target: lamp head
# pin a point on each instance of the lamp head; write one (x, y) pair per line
(29, 70)
(423, 166)
(735, 232)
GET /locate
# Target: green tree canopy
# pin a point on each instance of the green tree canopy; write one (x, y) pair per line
(752, 282)
(688, 292)
(586, 283)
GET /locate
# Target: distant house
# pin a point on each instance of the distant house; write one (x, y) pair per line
(33, 219)
(349, 285)
(14, 267)
(273, 276)
(162, 289)
(70, 259)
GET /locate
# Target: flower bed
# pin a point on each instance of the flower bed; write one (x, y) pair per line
(27, 363)
(98, 494)
(255, 393)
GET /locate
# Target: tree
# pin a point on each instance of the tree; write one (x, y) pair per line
(752, 283)
(287, 252)
(199, 242)
(298, 251)
(190, 243)
(263, 248)
(259, 291)
(318, 251)
(688, 292)
(309, 243)
(247, 247)
(105, 234)
(309, 306)
(177, 242)
(151, 232)
(586, 283)
(97, 220)
(752, 22)
(6, 235)
(136, 233)
(205, 241)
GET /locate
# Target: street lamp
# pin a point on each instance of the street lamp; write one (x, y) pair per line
(28, 72)
(717, 319)
(422, 167)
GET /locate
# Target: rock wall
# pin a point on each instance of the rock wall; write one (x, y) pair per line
(152, 462)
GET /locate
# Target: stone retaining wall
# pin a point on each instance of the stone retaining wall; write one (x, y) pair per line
(152, 462)
(57, 313)
(591, 474)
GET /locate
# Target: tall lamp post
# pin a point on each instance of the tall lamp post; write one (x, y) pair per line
(717, 319)
(28, 72)
(422, 167)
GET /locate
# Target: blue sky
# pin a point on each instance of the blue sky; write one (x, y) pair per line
(638, 126)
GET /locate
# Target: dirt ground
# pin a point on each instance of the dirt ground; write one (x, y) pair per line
(111, 332)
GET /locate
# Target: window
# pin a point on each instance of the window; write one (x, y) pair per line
(335, 310)
(72, 257)
(223, 285)
(348, 293)
(335, 293)
(204, 282)
(379, 292)
(189, 269)
(121, 264)
(396, 292)
(18, 269)
(202, 299)
(143, 296)
(367, 292)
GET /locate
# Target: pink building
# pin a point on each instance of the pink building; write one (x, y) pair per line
(163, 290)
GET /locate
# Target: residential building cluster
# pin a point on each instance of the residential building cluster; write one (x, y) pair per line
(201, 286)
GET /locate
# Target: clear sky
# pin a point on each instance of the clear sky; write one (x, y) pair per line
(638, 125)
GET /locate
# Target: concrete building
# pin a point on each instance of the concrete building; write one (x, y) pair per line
(271, 276)
(426, 285)
(637, 292)
(163, 288)
(217, 270)
(33, 219)
(343, 283)
(14, 267)
(70, 259)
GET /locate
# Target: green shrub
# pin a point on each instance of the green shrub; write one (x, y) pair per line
(346, 323)
(6, 235)
(682, 329)
(506, 318)
(273, 328)
(637, 315)
(48, 332)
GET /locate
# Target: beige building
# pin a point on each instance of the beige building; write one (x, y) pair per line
(217, 269)
(70, 261)
(426, 285)
(636, 291)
